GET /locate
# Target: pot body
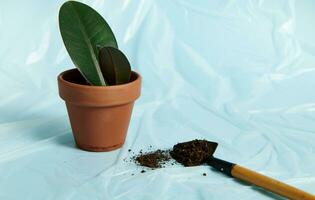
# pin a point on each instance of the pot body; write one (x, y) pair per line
(99, 115)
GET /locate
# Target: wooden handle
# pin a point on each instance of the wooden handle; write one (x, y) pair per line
(270, 184)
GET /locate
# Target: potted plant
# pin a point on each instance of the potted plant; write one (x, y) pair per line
(100, 93)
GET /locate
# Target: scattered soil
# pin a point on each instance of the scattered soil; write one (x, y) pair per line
(194, 152)
(153, 159)
(191, 153)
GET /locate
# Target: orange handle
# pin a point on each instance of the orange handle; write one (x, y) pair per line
(270, 184)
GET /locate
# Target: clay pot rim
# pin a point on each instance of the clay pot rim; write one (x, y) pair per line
(96, 87)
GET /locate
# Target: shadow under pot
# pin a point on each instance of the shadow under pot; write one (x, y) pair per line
(99, 115)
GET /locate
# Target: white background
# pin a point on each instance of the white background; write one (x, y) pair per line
(241, 73)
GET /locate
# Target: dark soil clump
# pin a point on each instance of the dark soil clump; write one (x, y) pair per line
(194, 152)
(153, 159)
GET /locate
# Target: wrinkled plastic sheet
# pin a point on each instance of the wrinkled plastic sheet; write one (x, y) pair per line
(238, 73)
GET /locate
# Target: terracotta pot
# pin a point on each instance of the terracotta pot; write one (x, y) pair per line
(99, 115)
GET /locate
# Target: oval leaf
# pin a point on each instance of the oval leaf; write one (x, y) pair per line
(114, 66)
(82, 30)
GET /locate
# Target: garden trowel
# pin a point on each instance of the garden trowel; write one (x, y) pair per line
(191, 151)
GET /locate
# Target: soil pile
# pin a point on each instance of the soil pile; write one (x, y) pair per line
(153, 159)
(194, 152)
(191, 153)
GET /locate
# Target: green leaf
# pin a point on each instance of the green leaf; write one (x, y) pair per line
(114, 65)
(82, 30)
